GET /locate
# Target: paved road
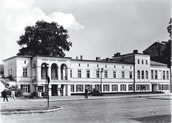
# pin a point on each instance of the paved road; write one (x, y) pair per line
(116, 110)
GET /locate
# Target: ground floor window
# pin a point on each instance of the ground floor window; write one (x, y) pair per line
(79, 88)
(123, 87)
(130, 87)
(89, 87)
(105, 87)
(114, 87)
(163, 87)
(25, 88)
(72, 88)
(97, 87)
(142, 87)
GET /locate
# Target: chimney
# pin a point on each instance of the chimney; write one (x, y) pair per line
(81, 57)
(117, 54)
(97, 58)
(135, 51)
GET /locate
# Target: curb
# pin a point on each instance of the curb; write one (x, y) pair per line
(30, 111)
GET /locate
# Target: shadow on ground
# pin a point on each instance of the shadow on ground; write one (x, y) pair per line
(154, 119)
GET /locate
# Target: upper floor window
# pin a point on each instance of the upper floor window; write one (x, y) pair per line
(114, 74)
(147, 75)
(152, 74)
(106, 74)
(146, 61)
(79, 73)
(131, 75)
(105, 66)
(87, 65)
(167, 75)
(142, 61)
(24, 72)
(138, 61)
(88, 74)
(156, 74)
(97, 74)
(79, 64)
(97, 65)
(138, 74)
(142, 74)
(71, 73)
(123, 74)
(163, 74)
(114, 66)
(24, 61)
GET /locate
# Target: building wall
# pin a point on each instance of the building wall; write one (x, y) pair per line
(33, 81)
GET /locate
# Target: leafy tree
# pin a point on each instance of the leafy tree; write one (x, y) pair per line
(44, 39)
(169, 28)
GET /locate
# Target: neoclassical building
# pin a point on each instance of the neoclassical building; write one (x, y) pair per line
(133, 72)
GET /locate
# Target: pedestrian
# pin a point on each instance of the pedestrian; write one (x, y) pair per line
(86, 93)
(13, 95)
(4, 95)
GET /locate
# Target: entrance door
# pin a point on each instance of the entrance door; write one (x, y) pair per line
(154, 87)
(54, 90)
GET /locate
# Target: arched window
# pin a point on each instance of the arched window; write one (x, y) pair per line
(54, 71)
(138, 74)
(142, 74)
(147, 75)
(63, 72)
(44, 71)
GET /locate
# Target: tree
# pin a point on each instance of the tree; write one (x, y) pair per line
(44, 39)
(169, 28)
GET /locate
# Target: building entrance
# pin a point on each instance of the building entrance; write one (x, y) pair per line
(54, 90)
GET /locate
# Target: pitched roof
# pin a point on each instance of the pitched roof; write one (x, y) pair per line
(154, 63)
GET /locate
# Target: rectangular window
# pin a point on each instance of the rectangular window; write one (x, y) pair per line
(88, 74)
(131, 75)
(152, 74)
(167, 75)
(138, 61)
(146, 61)
(156, 74)
(114, 74)
(79, 88)
(70, 73)
(106, 74)
(163, 74)
(25, 88)
(105, 87)
(123, 74)
(130, 87)
(97, 87)
(79, 73)
(97, 74)
(72, 88)
(114, 87)
(123, 87)
(89, 87)
(24, 72)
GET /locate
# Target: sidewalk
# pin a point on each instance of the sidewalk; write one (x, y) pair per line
(39, 105)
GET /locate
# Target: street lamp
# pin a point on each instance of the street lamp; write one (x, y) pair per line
(48, 81)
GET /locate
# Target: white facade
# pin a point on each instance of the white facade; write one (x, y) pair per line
(71, 76)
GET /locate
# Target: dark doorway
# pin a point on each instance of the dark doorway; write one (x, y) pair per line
(54, 90)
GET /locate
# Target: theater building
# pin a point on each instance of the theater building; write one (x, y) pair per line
(133, 72)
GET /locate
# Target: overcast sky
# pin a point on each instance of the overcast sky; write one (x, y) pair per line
(96, 27)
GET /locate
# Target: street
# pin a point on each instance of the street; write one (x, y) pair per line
(115, 110)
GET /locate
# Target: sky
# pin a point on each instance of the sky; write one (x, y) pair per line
(97, 28)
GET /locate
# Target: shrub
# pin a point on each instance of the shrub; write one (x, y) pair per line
(96, 92)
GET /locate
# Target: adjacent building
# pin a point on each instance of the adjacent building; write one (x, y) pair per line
(133, 72)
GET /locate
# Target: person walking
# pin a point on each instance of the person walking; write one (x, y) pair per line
(13, 95)
(86, 93)
(4, 95)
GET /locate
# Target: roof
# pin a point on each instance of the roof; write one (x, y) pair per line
(19, 56)
(154, 63)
